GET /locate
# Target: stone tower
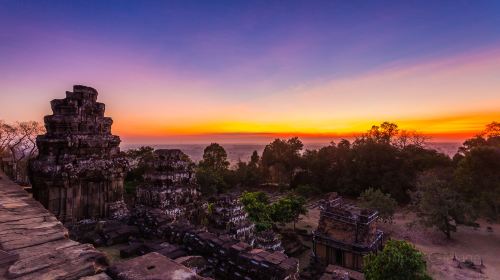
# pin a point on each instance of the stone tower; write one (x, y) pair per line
(345, 234)
(169, 186)
(78, 173)
(228, 216)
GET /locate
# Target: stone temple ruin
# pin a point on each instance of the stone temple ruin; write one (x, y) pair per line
(230, 258)
(268, 240)
(169, 187)
(228, 216)
(78, 173)
(345, 234)
(78, 176)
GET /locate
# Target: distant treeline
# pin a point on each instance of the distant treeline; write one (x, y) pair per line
(383, 162)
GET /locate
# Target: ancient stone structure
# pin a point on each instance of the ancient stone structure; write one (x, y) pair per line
(35, 245)
(268, 240)
(78, 173)
(230, 258)
(227, 216)
(345, 234)
(169, 187)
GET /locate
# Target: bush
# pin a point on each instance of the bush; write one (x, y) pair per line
(399, 260)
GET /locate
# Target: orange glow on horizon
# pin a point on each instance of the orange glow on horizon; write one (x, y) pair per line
(445, 128)
(437, 98)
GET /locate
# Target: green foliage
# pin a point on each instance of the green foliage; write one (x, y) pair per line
(477, 174)
(438, 205)
(264, 214)
(210, 208)
(257, 206)
(280, 159)
(288, 209)
(384, 158)
(377, 200)
(248, 174)
(215, 158)
(210, 181)
(399, 260)
(212, 173)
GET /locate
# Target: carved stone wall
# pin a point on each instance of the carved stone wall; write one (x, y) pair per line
(78, 173)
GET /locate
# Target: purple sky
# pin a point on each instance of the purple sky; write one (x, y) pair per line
(168, 68)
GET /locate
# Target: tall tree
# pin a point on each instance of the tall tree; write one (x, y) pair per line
(213, 170)
(477, 174)
(438, 205)
(215, 158)
(281, 158)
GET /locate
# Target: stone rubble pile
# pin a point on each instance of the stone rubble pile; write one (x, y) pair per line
(230, 258)
(103, 232)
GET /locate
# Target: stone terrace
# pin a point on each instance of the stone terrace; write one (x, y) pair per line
(35, 245)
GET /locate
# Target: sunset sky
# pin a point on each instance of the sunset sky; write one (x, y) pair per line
(245, 71)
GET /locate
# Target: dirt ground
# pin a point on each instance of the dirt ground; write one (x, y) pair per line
(466, 243)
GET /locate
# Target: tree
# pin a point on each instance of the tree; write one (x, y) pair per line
(259, 211)
(407, 138)
(210, 181)
(254, 160)
(379, 164)
(383, 133)
(215, 158)
(213, 170)
(384, 158)
(248, 174)
(377, 200)
(19, 141)
(438, 205)
(281, 158)
(477, 173)
(288, 209)
(265, 214)
(399, 260)
(7, 135)
(492, 130)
